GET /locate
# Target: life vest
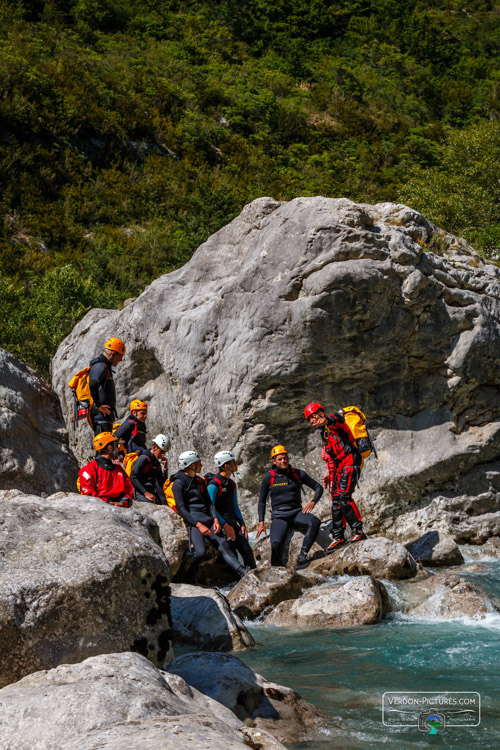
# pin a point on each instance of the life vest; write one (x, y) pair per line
(355, 420)
(80, 386)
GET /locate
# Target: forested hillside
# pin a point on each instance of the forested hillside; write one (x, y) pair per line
(130, 130)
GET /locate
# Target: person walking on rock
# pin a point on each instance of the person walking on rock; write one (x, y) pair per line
(104, 477)
(283, 484)
(195, 507)
(102, 386)
(343, 460)
(149, 472)
(133, 430)
(223, 494)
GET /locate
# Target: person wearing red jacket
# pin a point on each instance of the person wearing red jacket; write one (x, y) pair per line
(103, 478)
(343, 462)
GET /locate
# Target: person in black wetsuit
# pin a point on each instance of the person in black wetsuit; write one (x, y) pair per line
(102, 386)
(223, 494)
(283, 485)
(150, 471)
(195, 507)
(133, 430)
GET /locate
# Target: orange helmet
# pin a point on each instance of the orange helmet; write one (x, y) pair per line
(115, 345)
(138, 405)
(277, 450)
(103, 439)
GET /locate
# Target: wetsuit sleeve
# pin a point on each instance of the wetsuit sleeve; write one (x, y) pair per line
(160, 494)
(178, 492)
(124, 431)
(237, 511)
(135, 475)
(264, 492)
(208, 500)
(212, 490)
(312, 483)
(97, 379)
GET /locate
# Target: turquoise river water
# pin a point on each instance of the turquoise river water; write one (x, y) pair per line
(346, 672)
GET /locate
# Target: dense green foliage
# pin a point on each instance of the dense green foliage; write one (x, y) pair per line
(131, 130)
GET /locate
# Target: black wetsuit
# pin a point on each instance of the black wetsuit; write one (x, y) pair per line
(223, 493)
(147, 475)
(133, 434)
(194, 505)
(284, 488)
(102, 390)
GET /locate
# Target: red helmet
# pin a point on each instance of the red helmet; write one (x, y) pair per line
(311, 408)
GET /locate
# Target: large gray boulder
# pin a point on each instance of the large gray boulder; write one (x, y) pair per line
(263, 588)
(377, 557)
(203, 618)
(277, 709)
(117, 701)
(362, 601)
(34, 451)
(79, 578)
(322, 299)
(435, 550)
(450, 596)
(173, 532)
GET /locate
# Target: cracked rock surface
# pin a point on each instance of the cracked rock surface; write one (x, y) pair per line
(323, 299)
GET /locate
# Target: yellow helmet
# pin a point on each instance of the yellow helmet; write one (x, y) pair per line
(116, 426)
(115, 345)
(277, 450)
(103, 439)
(138, 405)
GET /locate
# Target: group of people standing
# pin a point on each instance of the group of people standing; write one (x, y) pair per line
(126, 469)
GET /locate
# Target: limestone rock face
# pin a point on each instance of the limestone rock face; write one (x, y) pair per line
(435, 550)
(378, 557)
(264, 587)
(452, 596)
(117, 701)
(322, 299)
(173, 533)
(361, 601)
(79, 578)
(275, 708)
(202, 618)
(34, 452)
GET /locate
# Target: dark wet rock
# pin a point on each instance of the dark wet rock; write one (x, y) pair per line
(435, 549)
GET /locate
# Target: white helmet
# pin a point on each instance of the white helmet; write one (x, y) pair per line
(187, 458)
(162, 441)
(223, 457)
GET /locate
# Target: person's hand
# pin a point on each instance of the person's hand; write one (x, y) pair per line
(326, 480)
(149, 496)
(204, 530)
(309, 507)
(164, 463)
(119, 505)
(244, 531)
(229, 531)
(216, 526)
(260, 528)
(104, 409)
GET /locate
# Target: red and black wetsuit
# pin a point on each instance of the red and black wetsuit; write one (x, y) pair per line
(343, 461)
(106, 480)
(133, 434)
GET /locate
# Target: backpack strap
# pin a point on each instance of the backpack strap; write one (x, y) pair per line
(219, 488)
(273, 477)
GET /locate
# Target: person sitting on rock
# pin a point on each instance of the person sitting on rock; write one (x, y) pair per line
(223, 494)
(283, 484)
(149, 472)
(342, 460)
(195, 507)
(133, 430)
(104, 477)
(102, 386)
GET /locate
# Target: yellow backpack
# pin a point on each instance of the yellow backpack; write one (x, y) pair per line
(129, 461)
(79, 384)
(169, 494)
(355, 420)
